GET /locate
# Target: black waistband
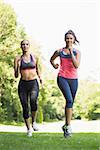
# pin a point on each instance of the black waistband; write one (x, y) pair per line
(27, 80)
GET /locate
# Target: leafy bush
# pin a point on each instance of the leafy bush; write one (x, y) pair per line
(39, 117)
(87, 102)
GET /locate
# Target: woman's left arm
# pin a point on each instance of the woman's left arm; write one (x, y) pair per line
(76, 59)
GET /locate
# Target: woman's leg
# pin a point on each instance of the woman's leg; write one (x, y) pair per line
(68, 88)
(65, 88)
(27, 122)
(73, 83)
(34, 102)
(23, 95)
(34, 116)
(68, 115)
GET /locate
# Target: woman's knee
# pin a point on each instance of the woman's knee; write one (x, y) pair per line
(25, 115)
(34, 106)
(69, 104)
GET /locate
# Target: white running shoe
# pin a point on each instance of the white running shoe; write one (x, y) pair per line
(29, 133)
(34, 126)
(67, 131)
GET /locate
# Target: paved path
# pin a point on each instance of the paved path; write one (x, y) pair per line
(77, 126)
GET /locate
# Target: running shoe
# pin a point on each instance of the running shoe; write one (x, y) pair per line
(29, 133)
(67, 131)
(34, 126)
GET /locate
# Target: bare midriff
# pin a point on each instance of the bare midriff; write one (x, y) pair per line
(28, 74)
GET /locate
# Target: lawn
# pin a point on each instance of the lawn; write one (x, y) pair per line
(49, 141)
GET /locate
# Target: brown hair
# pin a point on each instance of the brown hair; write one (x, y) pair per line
(71, 32)
(23, 41)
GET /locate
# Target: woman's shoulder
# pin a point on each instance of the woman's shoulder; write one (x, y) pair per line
(59, 50)
(18, 57)
(34, 56)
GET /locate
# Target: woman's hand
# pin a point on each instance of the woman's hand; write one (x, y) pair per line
(76, 59)
(56, 66)
(41, 82)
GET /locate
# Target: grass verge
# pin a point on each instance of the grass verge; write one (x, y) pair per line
(49, 141)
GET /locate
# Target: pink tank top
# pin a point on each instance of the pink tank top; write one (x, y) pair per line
(67, 69)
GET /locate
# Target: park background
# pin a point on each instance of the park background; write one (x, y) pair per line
(44, 23)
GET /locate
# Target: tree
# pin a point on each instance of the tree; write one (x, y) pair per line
(10, 36)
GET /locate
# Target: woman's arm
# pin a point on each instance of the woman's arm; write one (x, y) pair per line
(52, 59)
(76, 59)
(16, 66)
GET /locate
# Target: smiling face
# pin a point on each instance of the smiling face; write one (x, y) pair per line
(69, 39)
(25, 45)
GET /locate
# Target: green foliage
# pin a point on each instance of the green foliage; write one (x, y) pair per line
(8, 99)
(10, 36)
(87, 102)
(51, 100)
(39, 117)
(7, 22)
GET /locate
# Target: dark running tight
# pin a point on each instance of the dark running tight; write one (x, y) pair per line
(69, 88)
(28, 90)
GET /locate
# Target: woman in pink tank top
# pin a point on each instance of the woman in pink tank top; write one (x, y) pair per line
(67, 79)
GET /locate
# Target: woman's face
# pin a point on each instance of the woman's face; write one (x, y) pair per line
(69, 39)
(25, 46)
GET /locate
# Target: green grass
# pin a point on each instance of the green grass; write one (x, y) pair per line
(49, 141)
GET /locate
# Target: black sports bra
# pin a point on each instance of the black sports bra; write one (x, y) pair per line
(29, 65)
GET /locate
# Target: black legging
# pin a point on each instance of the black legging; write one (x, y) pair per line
(28, 90)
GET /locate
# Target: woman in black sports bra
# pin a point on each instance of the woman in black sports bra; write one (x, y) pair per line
(28, 89)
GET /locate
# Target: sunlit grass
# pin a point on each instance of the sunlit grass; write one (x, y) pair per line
(49, 141)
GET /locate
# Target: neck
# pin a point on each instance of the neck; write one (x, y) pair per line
(67, 47)
(26, 53)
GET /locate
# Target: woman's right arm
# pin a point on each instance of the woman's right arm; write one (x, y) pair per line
(53, 57)
(16, 67)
